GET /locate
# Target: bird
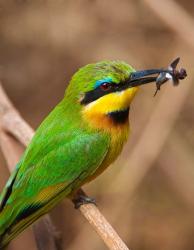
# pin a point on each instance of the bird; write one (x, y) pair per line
(74, 144)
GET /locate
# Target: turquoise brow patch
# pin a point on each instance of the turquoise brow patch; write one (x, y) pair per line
(99, 82)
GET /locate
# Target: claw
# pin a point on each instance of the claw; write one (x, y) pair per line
(81, 198)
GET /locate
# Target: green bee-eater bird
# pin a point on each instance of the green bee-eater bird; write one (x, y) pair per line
(78, 140)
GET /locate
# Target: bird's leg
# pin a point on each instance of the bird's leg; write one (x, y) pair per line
(81, 198)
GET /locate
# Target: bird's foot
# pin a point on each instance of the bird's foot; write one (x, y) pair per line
(81, 198)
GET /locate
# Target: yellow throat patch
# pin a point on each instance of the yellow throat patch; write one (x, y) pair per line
(96, 112)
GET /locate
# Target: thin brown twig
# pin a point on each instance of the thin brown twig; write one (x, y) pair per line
(12, 122)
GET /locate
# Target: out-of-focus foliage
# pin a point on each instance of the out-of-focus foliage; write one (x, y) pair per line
(42, 43)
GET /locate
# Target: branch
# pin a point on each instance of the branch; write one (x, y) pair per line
(12, 122)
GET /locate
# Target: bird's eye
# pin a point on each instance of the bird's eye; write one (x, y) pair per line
(105, 86)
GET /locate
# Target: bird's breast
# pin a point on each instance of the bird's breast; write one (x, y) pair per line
(117, 140)
(114, 122)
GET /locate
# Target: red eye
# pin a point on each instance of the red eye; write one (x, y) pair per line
(105, 86)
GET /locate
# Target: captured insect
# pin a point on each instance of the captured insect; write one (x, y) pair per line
(171, 73)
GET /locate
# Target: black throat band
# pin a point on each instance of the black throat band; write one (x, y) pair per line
(119, 117)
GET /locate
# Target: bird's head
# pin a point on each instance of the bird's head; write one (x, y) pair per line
(105, 90)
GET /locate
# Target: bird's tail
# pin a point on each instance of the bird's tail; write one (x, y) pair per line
(9, 230)
(6, 211)
(3, 228)
(18, 214)
(13, 223)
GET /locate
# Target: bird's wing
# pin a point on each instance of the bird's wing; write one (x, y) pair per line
(8, 187)
(37, 187)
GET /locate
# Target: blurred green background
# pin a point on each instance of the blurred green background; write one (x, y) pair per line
(148, 194)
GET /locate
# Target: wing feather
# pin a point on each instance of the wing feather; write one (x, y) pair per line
(36, 186)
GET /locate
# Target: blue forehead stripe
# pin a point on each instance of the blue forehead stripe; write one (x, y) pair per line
(99, 82)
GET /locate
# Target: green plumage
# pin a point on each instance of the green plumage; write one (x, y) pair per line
(79, 139)
(64, 152)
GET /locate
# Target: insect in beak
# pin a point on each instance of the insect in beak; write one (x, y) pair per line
(163, 75)
(173, 74)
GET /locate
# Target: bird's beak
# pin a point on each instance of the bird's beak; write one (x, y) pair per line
(145, 76)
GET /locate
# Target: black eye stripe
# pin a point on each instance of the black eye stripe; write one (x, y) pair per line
(93, 95)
